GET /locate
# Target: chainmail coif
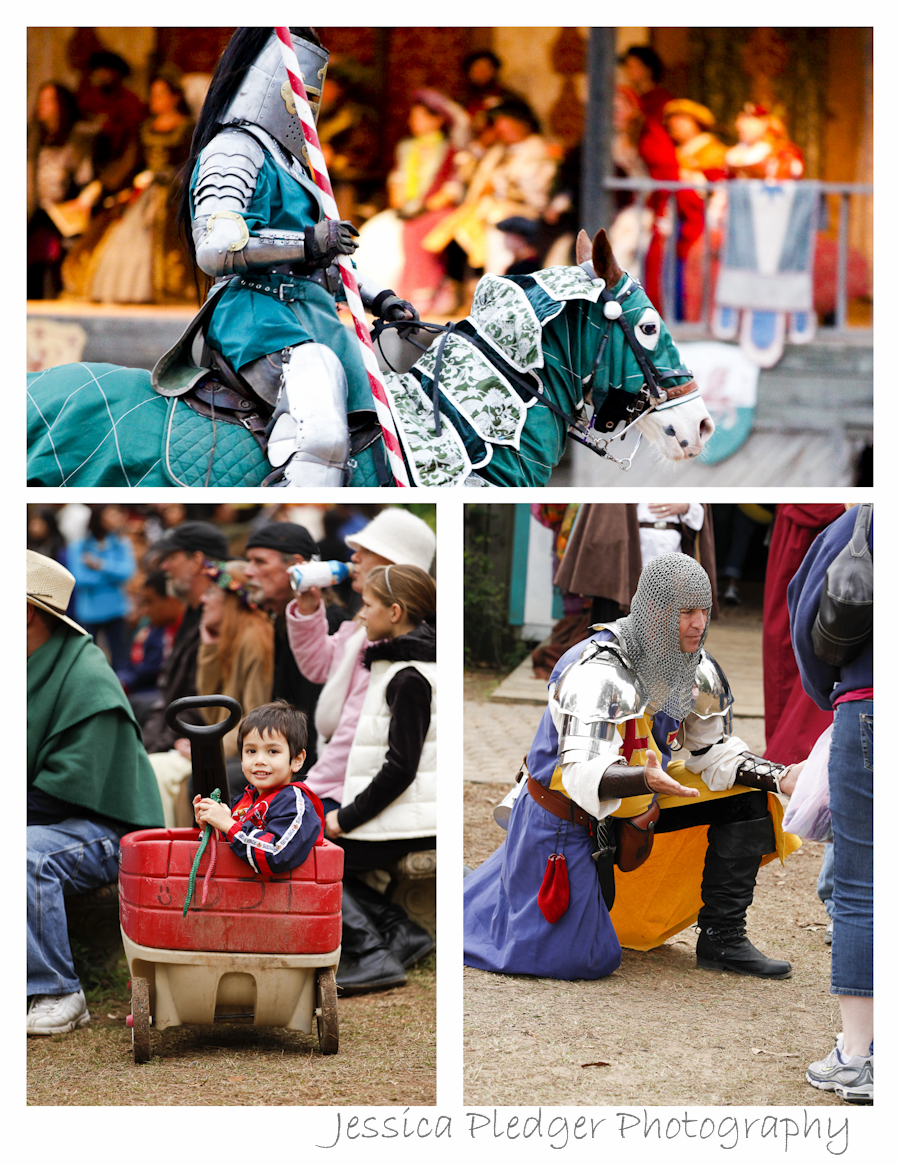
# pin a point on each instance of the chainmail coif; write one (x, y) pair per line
(669, 584)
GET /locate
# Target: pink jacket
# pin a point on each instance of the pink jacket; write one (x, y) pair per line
(319, 656)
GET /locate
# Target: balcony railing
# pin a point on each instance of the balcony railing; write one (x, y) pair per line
(834, 199)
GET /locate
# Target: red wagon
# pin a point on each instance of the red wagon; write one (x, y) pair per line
(259, 949)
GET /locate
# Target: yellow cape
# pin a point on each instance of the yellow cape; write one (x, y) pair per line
(662, 896)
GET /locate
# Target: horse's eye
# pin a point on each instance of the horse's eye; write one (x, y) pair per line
(648, 329)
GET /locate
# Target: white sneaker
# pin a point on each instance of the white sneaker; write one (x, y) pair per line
(52, 1015)
(851, 1077)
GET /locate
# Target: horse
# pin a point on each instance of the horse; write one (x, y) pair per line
(492, 402)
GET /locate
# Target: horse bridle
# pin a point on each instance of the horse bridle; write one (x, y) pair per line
(651, 398)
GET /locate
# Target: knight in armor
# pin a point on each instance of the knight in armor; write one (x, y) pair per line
(619, 702)
(258, 228)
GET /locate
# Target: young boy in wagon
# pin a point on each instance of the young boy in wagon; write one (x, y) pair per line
(274, 824)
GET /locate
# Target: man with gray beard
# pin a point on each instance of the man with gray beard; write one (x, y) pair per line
(183, 553)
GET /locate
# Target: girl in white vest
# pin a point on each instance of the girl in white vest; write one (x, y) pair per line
(389, 803)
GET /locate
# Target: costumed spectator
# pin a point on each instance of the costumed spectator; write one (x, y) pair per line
(275, 821)
(160, 614)
(421, 193)
(513, 178)
(389, 804)
(643, 70)
(701, 159)
(271, 549)
(763, 149)
(102, 563)
(523, 239)
(794, 722)
(89, 783)
(643, 149)
(116, 114)
(700, 154)
(61, 190)
(253, 213)
(483, 88)
(610, 544)
(183, 552)
(237, 652)
(133, 253)
(719, 818)
(348, 129)
(746, 519)
(576, 608)
(848, 691)
(337, 660)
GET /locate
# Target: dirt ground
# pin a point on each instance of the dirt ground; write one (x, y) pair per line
(658, 1031)
(387, 1056)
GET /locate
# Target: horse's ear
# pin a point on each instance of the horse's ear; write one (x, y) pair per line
(582, 248)
(605, 261)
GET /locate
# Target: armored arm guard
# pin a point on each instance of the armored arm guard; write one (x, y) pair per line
(623, 781)
(228, 170)
(757, 773)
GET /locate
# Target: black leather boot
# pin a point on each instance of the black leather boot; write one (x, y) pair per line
(729, 878)
(408, 942)
(366, 963)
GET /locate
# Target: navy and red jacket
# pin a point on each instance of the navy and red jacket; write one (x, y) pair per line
(274, 832)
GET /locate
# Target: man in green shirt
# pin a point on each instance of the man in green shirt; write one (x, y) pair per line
(89, 783)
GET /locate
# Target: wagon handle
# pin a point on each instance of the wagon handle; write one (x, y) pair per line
(207, 754)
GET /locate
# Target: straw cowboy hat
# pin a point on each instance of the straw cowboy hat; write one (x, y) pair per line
(49, 587)
(398, 536)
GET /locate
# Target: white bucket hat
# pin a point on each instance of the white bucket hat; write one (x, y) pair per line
(49, 587)
(398, 536)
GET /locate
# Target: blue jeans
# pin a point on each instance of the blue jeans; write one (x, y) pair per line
(850, 790)
(68, 858)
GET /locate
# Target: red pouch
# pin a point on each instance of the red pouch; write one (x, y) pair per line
(553, 896)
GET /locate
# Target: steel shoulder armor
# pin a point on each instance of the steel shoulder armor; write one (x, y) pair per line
(594, 694)
(712, 694)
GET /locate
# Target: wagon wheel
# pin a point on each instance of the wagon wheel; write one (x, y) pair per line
(326, 1011)
(140, 1020)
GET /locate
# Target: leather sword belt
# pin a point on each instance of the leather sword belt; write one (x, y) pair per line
(661, 525)
(558, 804)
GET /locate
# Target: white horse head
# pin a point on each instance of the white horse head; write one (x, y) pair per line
(681, 426)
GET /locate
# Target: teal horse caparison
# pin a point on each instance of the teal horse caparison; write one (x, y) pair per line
(104, 425)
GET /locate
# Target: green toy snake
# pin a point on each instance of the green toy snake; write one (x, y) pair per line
(215, 795)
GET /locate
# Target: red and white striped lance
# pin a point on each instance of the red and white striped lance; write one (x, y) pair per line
(348, 275)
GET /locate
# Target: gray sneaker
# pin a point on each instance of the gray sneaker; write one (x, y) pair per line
(53, 1015)
(852, 1079)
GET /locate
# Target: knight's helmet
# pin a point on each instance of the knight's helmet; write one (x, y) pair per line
(266, 99)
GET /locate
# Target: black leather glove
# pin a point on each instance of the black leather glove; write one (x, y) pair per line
(328, 239)
(388, 306)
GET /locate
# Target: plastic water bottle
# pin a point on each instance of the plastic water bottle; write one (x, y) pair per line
(318, 574)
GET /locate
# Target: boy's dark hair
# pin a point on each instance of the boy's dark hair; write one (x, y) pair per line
(279, 718)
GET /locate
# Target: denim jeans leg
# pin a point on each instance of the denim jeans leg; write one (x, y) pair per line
(825, 885)
(850, 790)
(68, 858)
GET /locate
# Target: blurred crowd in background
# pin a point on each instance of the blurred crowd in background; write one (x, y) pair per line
(476, 186)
